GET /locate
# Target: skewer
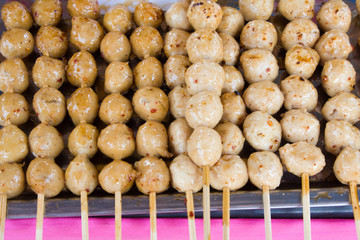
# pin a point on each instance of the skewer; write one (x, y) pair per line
(306, 205)
(40, 216)
(118, 205)
(206, 201)
(190, 214)
(267, 212)
(226, 213)
(153, 230)
(355, 205)
(84, 215)
(3, 205)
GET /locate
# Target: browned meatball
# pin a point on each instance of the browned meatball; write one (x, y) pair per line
(13, 76)
(115, 47)
(84, 8)
(82, 69)
(115, 108)
(48, 72)
(15, 15)
(148, 73)
(51, 41)
(146, 42)
(83, 140)
(175, 42)
(46, 12)
(148, 14)
(16, 43)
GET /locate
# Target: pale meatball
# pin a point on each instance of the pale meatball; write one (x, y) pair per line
(45, 141)
(299, 93)
(15, 15)
(82, 69)
(175, 42)
(234, 81)
(205, 76)
(294, 9)
(343, 106)
(347, 166)
(150, 103)
(46, 12)
(303, 32)
(259, 65)
(14, 109)
(117, 176)
(204, 109)
(231, 137)
(83, 105)
(48, 72)
(262, 131)
(84, 8)
(264, 96)
(256, 10)
(334, 14)
(13, 76)
(116, 141)
(230, 171)
(178, 98)
(148, 14)
(115, 108)
(234, 108)
(265, 169)
(118, 18)
(176, 15)
(205, 44)
(174, 70)
(185, 175)
(118, 77)
(148, 73)
(301, 61)
(302, 157)
(13, 144)
(231, 49)
(115, 47)
(340, 134)
(204, 146)
(204, 14)
(86, 34)
(51, 41)
(82, 140)
(333, 44)
(44, 176)
(259, 34)
(153, 175)
(81, 175)
(179, 132)
(49, 106)
(232, 22)
(338, 75)
(146, 42)
(12, 181)
(298, 125)
(152, 140)
(16, 43)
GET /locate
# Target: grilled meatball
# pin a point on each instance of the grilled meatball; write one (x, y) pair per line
(259, 34)
(234, 108)
(48, 72)
(84, 8)
(13, 144)
(204, 14)
(175, 42)
(148, 73)
(179, 132)
(12, 179)
(174, 70)
(118, 77)
(14, 109)
(256, 10)
(176, 17)
(231, 49)
(115, 47)
(16, 43)
(13, 76)
(82, 69)
(347, 165)
(231, 137)
(295, 9)
(82, 140)
(148, 14)
(301, 61)
(51, 41)
(146, 42)
(46, 12)
(178, 98)
(232, 22)
(334, 14)
(115, 108)
(234, 81)
(118, 18)
(15, 15)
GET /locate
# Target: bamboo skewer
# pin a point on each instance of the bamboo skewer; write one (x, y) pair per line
(153, 229)
(355, 205)
(118, 210)
(3, 215)
(305, 193)
(40, 216)
(226, 213)
(206, 201)
(191, 214)
(84, 215)
(267, 213)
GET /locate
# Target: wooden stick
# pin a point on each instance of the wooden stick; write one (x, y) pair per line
(267, 212)
(153, 231)
(305, 192)
(3, 215)
(355, 205)
(40, 216)
(118, 210)
(84, 215)
(190, 214)
(226, 213)
(206, 202)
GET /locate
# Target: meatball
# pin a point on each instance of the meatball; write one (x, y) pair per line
(265, 169)
(118, 77)
(185, 175)
(48, 72)
(303, 32)
(82, 69)
(14, 109)
(234, 108)
(294, 9)
(51, 41)
(302, 157)
(178, 98)
(347, 165)
(81, 175)
(49, 106)
(148, 14)
(82, 140)
(338, 75)
(150, 103)
(146, 42)
(205, 76)
(204, 109)
(46, 12)
(15, 15)
(13, 144)
(44, 176)
(115, 47)
(175, 42)
(256, 10)
(301, 61)
(116, 141)
(204, 146)
(12, 181)
(14, 76)
(83, 105)
(16, 43)
(204, 14)
(174, 70)
(231, 49)
(334, 14)
(179, 132)
(299, 93)
(262, 131)
(117, 176)
(176, 15)
(148, 73)
(204, 44)
(84, 8)
(264, 96)
(259, 65)
(118, 18)
(230, 171)
(259, 34)
(234, 81)
(231, 137)
(232, 22)
(115, 108)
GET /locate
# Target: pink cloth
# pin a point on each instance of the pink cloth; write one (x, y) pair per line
(174, 229)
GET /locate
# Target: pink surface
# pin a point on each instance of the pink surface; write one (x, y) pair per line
(103, 228)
